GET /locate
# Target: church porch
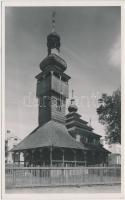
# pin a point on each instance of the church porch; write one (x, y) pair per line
(50, 156)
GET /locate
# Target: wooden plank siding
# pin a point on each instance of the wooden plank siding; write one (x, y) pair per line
(57, 113)
(59, 86)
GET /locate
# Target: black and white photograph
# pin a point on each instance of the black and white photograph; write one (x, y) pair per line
(62, 100)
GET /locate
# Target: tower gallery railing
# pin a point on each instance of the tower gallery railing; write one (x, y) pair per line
(62, 87)
(59, 176)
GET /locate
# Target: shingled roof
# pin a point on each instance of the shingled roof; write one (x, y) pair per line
(50, 134)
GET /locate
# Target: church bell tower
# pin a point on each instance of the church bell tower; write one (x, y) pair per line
(52, 82)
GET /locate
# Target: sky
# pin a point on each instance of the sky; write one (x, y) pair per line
(90, 44)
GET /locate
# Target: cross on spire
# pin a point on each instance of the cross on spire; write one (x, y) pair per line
(72, 100)
(53, 39)
(53, 20)
(72, 107)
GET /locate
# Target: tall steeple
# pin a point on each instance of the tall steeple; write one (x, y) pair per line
(52, 82)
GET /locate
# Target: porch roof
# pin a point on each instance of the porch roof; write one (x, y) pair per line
(97, 148)
(50, 134)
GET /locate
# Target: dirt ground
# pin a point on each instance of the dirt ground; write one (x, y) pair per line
(73, 189)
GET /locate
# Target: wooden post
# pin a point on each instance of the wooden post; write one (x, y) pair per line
(93, 157)
(63, 157)
(32, 157)
(106, 160)
(24, 153)
(75, 157)
(85, 158)
(41, 156)
(19, 158)
(51, 163)
(103, 159)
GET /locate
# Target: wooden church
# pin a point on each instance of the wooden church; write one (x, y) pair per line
(59, 139)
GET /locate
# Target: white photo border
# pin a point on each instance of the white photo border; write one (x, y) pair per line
(72, 196)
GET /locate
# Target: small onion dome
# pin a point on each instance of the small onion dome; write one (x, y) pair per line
(53, 42)
(53, 60)
(72, 107)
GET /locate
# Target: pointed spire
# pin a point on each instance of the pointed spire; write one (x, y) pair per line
(53, 39)
(53, 21)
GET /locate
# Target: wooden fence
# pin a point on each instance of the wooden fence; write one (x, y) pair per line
(60, 176)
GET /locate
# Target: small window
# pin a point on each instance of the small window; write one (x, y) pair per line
(78, 138)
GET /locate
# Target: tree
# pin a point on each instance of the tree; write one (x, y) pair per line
(109, 113)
